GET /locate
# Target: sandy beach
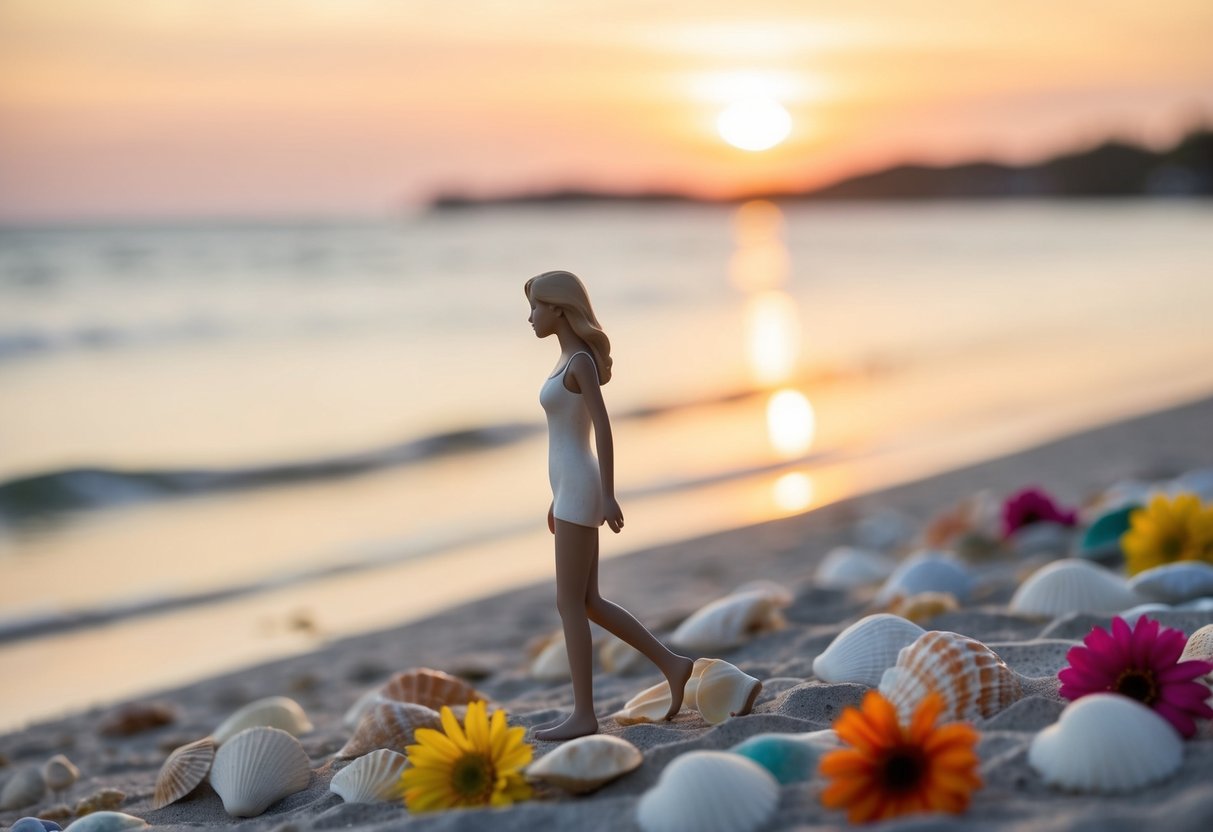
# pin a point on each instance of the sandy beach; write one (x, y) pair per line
(486, 642)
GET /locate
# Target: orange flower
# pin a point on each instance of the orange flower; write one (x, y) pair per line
(891, 771)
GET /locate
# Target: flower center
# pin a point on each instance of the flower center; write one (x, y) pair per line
(472, 778)
(1137, 684)
(903, 769)
(1029, 517)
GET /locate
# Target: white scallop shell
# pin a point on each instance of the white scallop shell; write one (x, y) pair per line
(272, 712)
(388, 725)
(1072, 585)
(972, 679)
(1200, 646)
(709, 791)
(586, 763)
(257, 768)
(26, 786)
(652, 703)
(184, 769)
(552, 662)
(728, 622)
(1106, 743)
(864, 651)
(846, 567)
(372, 778)
(107, 822)
(926, 572)
(1174, 583)
(617, 656)
(722, 690)
(59, 772)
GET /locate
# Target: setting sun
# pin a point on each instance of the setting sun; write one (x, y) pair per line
(754, 124)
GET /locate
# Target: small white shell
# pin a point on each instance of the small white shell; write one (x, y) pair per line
(971, 678)
(388, 725)
(652, 703)
(552, 662)
(107, 822)
(272, 712)
(1106, 743)
(586, 763)
(59, 772)
(617, 656)
(864, 651)
(728, 622)
(722, 690)
(26, 786)
(846, 567)
(372, 778)
(709, 791)
(1174, 583)
(926, 572)
(184, 769)
(257, 768)
(1072, 585)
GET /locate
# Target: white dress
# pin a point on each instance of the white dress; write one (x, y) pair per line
(572, 466)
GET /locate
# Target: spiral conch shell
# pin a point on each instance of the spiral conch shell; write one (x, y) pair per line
(388, 725)
(372, 778)
(729, 621)
(716, 689)
(973, 681)
(586, 763)
(272, 712)
(257, 768)
(183, 771)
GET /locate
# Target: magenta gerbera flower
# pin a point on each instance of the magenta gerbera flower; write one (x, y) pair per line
(1033, 505)
(1142, 664)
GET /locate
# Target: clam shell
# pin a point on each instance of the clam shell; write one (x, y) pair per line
(723, 690)
(652, 703)
(728, 622)
(551, 664)
(107, 822)
(1106, 743)
(26, 786)
(1200, 646)
(709, 791)
(973, 681)
(865, 650)
(617, 656)
(257, 768)
(183, 771)
(846, 567)
(388, 725)
(59, 772)
(372, 778)
(791, 758)
(926, 572)
(924, 606)
(432, 688)
(1174, 583)
(1072, 585)
(586, 763)
(272, 712)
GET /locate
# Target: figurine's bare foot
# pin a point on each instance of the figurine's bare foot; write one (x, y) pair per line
(577, 725)
(677, 679)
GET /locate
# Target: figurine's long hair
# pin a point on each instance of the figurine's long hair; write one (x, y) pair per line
(565, 289)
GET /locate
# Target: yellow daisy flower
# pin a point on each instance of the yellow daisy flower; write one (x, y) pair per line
(477, 764)
(1166, 531)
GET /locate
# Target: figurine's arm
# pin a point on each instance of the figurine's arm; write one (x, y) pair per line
(586, 377)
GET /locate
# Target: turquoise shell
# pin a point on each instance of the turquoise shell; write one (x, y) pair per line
(791, 760)
(1101, 541)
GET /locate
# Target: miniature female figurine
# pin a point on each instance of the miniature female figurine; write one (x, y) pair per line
(583, 495)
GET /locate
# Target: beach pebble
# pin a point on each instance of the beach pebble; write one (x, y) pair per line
(136, 718)
(927, 571)
(100, 801)
(791, 758)
(34, 825)
(1175, 583)
(847, 567)
(107, 822)
(59, 773)
(26, 786)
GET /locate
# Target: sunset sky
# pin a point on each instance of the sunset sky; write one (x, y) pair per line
(148, 109)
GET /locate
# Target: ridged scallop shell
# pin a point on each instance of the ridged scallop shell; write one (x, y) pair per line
(791, 758)
(652, 703)
(586, 763)
(432, 688)
(183, 771)
(1106, 743)
(26, 786)
(372, 778)
(107, 822)
(617, 656)
(257, 768)
(388, 725)
(722, 690)
(728, 622)
(551, 663)
(1174, 583)
(864, 651)
(1072, 585)
(1200, 646)
(709, 791)
(926, 572)
(972, 679)
(59, 772)
(846, 567)
(924, 606)
(272, 712)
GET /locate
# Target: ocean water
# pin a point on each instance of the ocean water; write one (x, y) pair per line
(269, 435)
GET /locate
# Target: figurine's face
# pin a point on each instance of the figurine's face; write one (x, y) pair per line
(544, 317)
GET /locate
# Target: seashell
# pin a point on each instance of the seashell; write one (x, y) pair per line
(791, 758)
(722, 690)
(1198, 482)
(866, 649)
(924, 606)
(709, 791)
(972, 679)
(183, 771)
(57, 812)
(1133, 613)
(617, 656)
(1041, 538)
(26, 786)
(372, 778)
(358, 710)
(586, 763)
(1174, 583)
(1106, 743)
(102, 800)
(778, 594)
(388, 725)
(258, 767)
(884, 530)
(728, 622)
(136, 718)
(1101, 541)
(432, 688)
(272, 712)
(107, 822)
(651, 704)
(1200, 646)
(34, 825)
(926, 572)
(846, 567)
(59, 773)
(551, 663)
(1072, 585)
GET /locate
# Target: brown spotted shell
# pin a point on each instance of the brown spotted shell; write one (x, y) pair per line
(184, 769)
(388, 725)
(431, 688)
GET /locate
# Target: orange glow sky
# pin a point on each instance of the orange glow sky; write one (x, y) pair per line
(176, 108)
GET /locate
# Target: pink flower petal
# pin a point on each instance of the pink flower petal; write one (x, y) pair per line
(1168, 647)
(1092, 663)
(1190, 696)
(1184, 671)
(1179, 720)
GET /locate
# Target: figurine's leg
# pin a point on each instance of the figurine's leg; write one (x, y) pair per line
(620, 622)
(575, 550)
